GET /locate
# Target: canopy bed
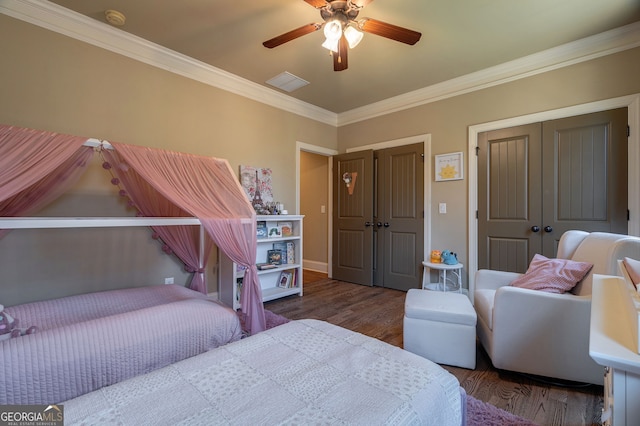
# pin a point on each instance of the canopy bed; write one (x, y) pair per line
(95, 347)
(101, 362)
(36, 167)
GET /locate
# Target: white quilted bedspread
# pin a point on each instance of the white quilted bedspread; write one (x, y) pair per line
(303, 372)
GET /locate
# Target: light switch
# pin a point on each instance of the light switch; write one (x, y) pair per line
(323, 209)
(442, 208)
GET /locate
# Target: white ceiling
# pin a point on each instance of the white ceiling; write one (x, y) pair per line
(459, 37)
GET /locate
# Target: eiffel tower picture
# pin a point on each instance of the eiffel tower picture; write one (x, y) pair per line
(258, 204)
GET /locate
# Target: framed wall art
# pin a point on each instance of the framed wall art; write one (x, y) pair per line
(256, 178)
(449, 166)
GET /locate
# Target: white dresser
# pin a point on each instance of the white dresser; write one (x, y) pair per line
(613, 343)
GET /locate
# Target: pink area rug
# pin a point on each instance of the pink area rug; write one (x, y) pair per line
(478, 413)
(272, 320)
(484, 414)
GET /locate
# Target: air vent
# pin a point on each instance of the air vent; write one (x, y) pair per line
(287, 82)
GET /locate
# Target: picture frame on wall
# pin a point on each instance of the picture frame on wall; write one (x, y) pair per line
(449, 167)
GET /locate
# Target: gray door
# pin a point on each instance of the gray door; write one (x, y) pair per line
(353, 218)
(585, 163)
(509, 197)
(539, 180)
(399, 217)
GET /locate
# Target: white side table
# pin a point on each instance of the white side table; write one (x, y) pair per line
(446, 282)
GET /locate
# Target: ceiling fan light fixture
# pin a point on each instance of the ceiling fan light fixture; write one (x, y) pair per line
(353, 36)
(333, 30)
(331, 45)
(343, 30)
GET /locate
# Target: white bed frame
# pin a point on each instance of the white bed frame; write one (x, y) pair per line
(101, 222)
(92, 222)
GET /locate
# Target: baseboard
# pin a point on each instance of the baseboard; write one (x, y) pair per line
(313, 265)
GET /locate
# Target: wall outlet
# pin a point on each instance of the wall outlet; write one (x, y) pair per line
(442, 208)
(168, 280)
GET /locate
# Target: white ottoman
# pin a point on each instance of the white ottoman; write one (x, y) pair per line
(441, 327)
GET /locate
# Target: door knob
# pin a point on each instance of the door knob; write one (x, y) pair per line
(535, 228)
(379, 224)
(367, 224)
(548, 229)
(386, 224)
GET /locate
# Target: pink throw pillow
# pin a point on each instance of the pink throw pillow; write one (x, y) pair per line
(552, 275)
(633, 269)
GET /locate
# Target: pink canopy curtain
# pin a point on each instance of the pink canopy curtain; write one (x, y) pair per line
(37, 167)
(182, 240)
(207, 188)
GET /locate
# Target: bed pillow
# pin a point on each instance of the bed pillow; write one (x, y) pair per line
(633, 269)
(552, 275)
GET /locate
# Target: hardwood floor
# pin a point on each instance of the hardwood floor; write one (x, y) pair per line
(378, 312)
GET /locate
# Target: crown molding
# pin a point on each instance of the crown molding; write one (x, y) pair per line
(64, 21)
(606, 43)
(72, 24)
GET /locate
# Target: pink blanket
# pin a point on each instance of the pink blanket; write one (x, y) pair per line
(49, 314)
(90, 348)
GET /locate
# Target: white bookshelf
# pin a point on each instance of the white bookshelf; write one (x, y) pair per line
(230, 274)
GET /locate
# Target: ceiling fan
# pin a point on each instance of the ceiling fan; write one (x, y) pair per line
(343, 31)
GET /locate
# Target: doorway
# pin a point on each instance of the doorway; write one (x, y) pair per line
(313, 200)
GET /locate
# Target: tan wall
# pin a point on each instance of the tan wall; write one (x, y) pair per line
(448, 122)
(51, 82)
(314, 176)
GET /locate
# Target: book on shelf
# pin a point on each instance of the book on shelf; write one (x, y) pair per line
(261, 229)
(290, 252)
(274, 231)
(285, 279)
(265, 266)
(294, 278)
(282, 246)
(286, 228)
(274, 257)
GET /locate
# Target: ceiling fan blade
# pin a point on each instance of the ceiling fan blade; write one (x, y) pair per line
(317, 3)
(291, 35)
(393, 32)
(361, 3)
(340, 61)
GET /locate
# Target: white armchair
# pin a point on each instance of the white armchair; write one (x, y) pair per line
(547, 334)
